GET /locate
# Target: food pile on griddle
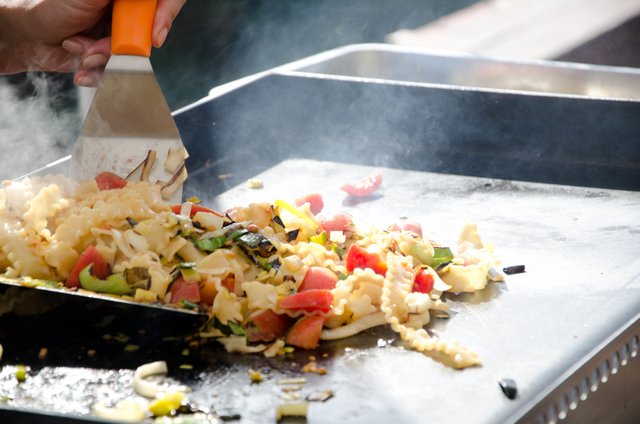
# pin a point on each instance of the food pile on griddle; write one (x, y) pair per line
(270, 276)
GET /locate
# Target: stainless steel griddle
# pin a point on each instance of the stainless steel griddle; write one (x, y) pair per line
(551, 175)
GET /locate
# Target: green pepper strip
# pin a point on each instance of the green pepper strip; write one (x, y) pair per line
(114, 284)
(441, 255)
(211, 244)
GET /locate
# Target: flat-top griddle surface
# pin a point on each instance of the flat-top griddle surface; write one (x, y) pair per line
(582, 283)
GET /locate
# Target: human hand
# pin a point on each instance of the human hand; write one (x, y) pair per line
(69, 35)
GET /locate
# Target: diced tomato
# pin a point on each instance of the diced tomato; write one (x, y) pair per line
(423, 282)
(194, 210)
(339, 222)
(359, 257)
(184, 290)
(308, 300)
(89, 256)
(207, 292)
(318, 278)
(364, 186)
(109, 180)
(305, 333)
(230, 283)
(414, 227)
(267, 326)
(314, 200)
(394, 227)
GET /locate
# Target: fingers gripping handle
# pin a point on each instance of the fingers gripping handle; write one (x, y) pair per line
(131, 27)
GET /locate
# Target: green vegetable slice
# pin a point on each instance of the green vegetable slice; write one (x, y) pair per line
(114, 284)
(441, 255)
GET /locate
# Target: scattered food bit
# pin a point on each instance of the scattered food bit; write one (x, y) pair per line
(294, 380)
(186, 367)
(1, 350)
(131, 348)
(320, 396)
(234, 416)
(313, 367)
(167, 404)
(147, 388)
(298, 409)
(21, 373)
(197, 418)
(225, 176)
(514, 269)
(127, 410)
(185, 352)
(91, 353)
(292, 388)
(255, 183)
(508, 387)
(194, 199)
(290, 396)
(364, 186)
(255, 376)
(441, 314)
(381, 343)
(312, 358)
(325, 355)
(42, 354)
(495, 275)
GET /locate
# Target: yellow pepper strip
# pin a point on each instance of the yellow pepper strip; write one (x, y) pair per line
(167, 404)
(297, 212)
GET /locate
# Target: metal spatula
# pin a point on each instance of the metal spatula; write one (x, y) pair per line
(129, 116)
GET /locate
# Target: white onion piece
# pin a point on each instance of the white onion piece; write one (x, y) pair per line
(168, 189)
(292, 410)
(147, 388)
(127, 410)
(185, 209)
(337, 237)
(208, 220)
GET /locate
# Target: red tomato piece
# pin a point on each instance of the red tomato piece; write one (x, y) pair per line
(305, 333)
(207, 292)
(267, 326)
(230, 283)
(423, 282)
(194, 210)
(109, 181)
(359, 257)
(314, 200)
(364, 186)
(185, 290)
(339, 222)
(308, 300)
(394, 227)
(318, 278)
(89, 256)
(414, 227)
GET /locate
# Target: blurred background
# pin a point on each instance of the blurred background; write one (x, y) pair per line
(216, 41)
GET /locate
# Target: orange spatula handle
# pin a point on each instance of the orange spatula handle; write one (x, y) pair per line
(131, 27)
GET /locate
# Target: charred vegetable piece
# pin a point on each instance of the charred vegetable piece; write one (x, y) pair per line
(257, 243)
(508, 387)
(515, 269)
(293, 234)
(441, 255)
(114, 284)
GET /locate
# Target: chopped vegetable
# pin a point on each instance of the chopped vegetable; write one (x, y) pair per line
(291, 410)
(210, 244)
(441, 255)
(297, 212)
(266, 326)
(255, 376)
(320, 396)
(109, 181)
(175, 159)
(167, 404)
(414, 227)
(171, 187)
(364, 186)
(305, 333)
(255, 183)
(194, 210)
(21, 373)
(423, 281)
(147, 388)
(181, 290)
(320, 238)
(341, 221)
(309, 300)
(114, 283)
(318, 278)
(314, 200)
(90, 256)
(359, 257)
(514, 269)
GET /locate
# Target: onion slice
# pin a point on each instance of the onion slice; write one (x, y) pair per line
(175, 159)
(170, 187)
(127, 410)
(147, 388)
(141, 172)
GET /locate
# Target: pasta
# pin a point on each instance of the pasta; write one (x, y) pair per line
(268, 275)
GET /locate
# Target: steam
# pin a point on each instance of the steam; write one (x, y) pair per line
(34, 129)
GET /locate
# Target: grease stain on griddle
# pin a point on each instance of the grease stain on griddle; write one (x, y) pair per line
(509, 388)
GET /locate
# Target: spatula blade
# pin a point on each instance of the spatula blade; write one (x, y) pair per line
(128, 117)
